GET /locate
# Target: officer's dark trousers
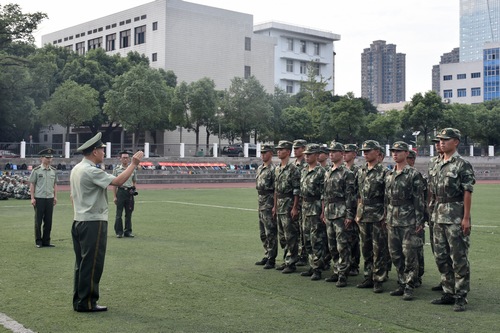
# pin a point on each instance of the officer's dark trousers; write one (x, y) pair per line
(124, 201)
(43, 215)
(89, 243)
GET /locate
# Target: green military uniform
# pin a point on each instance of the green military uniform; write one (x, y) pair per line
(267, 223)
(305, 234)
(124, 202)
(370, 218)
(339, 201)
(405, 212)
(452, 178)
(287, 186)
(311, 190)
(431, 196)
(354, 240)
(90, 226)
(43, 192)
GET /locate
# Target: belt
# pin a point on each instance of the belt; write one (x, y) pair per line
(372, 201)
(284, 195)
(449, 199)
(311, 199)
(264, 192)
(401, 202)
(336, 199)
(125, 188)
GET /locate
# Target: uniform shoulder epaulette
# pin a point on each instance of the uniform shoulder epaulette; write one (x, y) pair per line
(53, 168)
(36, 168)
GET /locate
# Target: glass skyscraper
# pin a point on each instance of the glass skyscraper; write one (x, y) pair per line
(479, 23)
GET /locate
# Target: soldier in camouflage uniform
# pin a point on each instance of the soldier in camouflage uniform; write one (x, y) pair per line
(311, 189)
(267, 223)
(323, 161)
(339, 206)
(350, 153)
(323, 156)
(405, 208)
(286, 202)
(370, 217)
(453, 185)
(299, 146)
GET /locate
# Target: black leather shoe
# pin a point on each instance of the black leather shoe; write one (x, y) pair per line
(333, 278)
(446, 299)
(269, 265)
(261, 262)
(367, 283)
(129, 235)
(97, 308)
(309, 272)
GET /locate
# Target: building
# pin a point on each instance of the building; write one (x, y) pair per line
(447, 58)
(383, 73)
(473, 77)
(197, 41)
(298, 50)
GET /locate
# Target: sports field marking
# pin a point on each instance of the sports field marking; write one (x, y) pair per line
(13, 325)
(198, 204)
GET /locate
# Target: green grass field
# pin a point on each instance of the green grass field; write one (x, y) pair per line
(190, 268)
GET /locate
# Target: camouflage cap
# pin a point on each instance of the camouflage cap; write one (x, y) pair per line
(370, 145)
(266, 148)
(350, 147)
(48, 152)
(336, 146)
(283, 144)
(400, 145)
(449, 133)
(323, 149)
(299, 143)
(312, 148)
(435, 139)
(412, 154)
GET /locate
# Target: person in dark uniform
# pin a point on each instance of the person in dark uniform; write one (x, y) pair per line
(43, 191)
(124, 198)
(90, 223)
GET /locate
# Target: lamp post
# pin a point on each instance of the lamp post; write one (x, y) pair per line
(218, 118)
(416, 133)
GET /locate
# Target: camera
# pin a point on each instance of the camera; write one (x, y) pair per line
(133, 191)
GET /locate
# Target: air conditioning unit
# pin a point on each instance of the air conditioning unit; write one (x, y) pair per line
(446, 101)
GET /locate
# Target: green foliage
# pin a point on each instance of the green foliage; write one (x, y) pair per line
(385, 127)
(17, 26)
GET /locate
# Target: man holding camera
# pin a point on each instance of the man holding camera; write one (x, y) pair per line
(124, 197)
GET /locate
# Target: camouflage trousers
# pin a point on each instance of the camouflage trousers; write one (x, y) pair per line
(374, 250)
(315, 247)
(355, 247)
(339, 238)
(420, 254)
(451, 250)
(404, 244)
(288, 234)
(268, 234)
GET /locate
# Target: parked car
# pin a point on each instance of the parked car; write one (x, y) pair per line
(7, 154)
(237, 150)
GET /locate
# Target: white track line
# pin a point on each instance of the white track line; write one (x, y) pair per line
(201, 205)
(13, 325)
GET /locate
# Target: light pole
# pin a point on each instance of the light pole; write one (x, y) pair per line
(218, 118)
(416, 133)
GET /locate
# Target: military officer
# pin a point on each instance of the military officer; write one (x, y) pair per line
(43, 191)
(123, 197)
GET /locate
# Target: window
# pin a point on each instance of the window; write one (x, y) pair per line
(248, 44)
(289, 87)
(447, 77)
(475, 91)
(303, 47)
(140, 35)
(155, 26)
(128, 21)
(143, 17)
(289, 65)
(461, 92)
(461, 76)
(110, 42)
(124, 39)
(95, 43)
(248, 72)
(80, 48)
(303, 67)
(316, 68)
(448, 93)
(154, 57)
(113, 25)
(316, 48)
(475, 75)
(136, 19)
(69, 47)
(289, 42)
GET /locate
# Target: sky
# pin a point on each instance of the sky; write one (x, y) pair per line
(421, 29)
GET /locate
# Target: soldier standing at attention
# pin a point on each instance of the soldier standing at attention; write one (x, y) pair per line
(311, 190)
(453, 184)
(323, 156)
(323, 161)
(339, 206)
(43, 191)
(299, 146)
(267, 223)
(370, 217)
(405, 207)
(286, 203)
(350, 153)
(124, 198)
(89, 186)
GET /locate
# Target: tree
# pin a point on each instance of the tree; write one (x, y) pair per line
(462, 117)
(488, 123)
(70, 105)
(15, 26)
(297, 123)
(423, 113)
(344, 120)
(384, 125)
(139, 100)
